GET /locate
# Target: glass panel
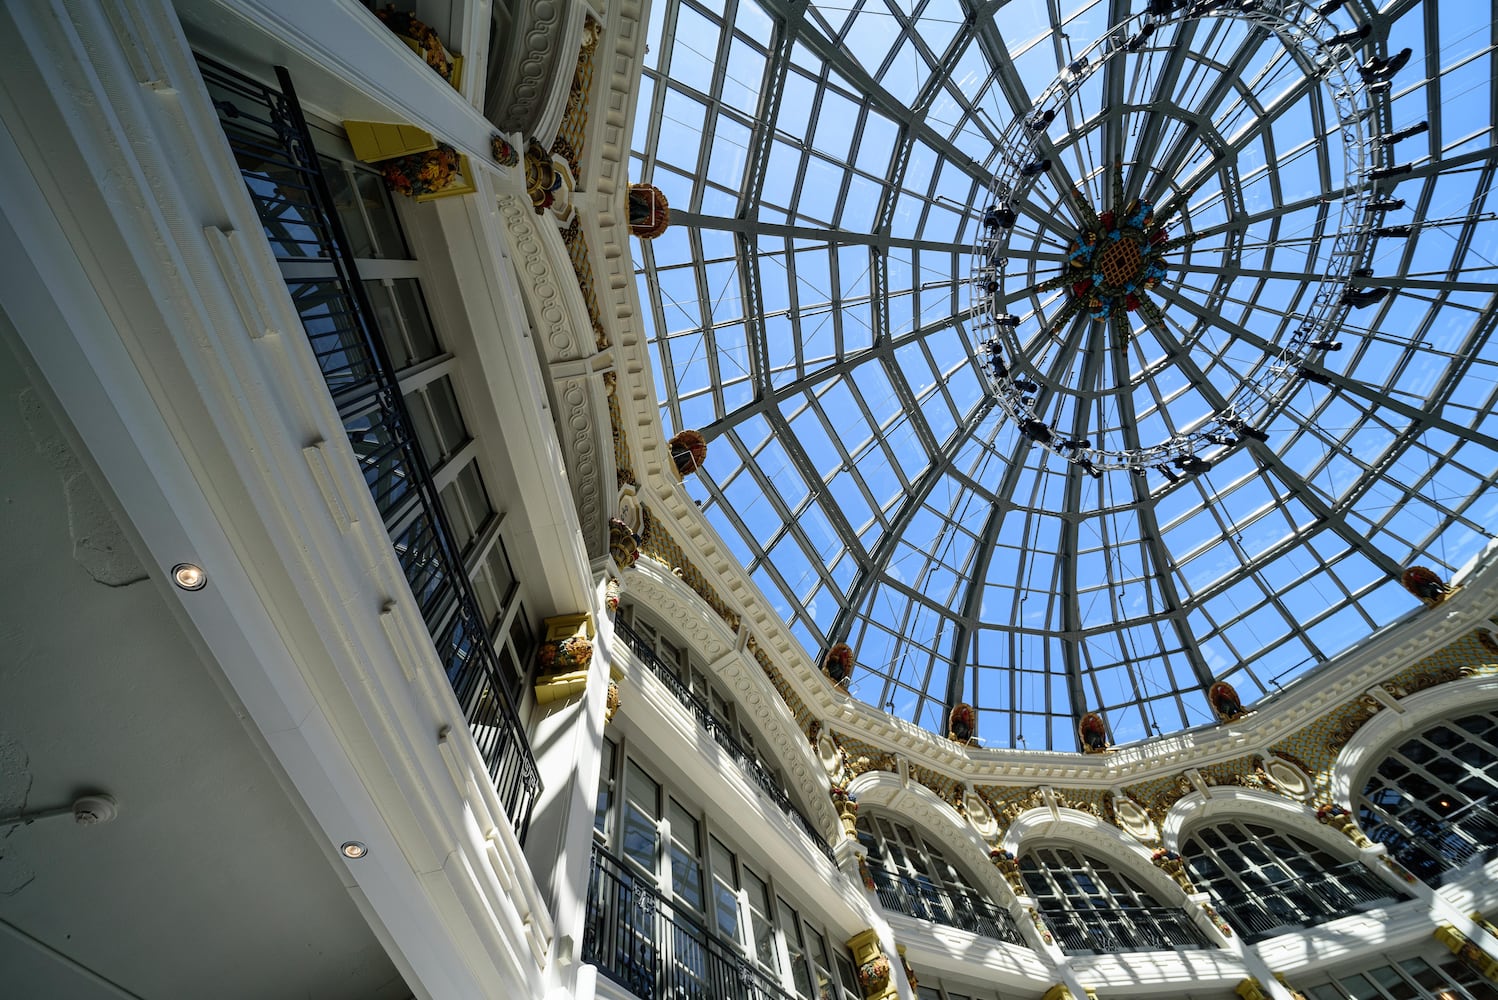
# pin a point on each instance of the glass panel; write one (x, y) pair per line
(639, 837)
(604, 803)
(686, 864)
(725, 894)
(790, 927)
(1123, 535)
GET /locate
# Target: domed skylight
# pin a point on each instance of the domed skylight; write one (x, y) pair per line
(1284, 381)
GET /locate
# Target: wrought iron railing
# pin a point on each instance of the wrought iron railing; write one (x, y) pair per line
(721, 733)
(1116, 928)
(1304, 902)
(276, 157)
(645, 943)
(951, 905)
(1433, 849)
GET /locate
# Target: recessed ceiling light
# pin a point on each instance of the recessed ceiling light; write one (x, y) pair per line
(354, 850)
(189, 576)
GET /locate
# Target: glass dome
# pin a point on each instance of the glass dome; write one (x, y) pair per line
(1182, 417)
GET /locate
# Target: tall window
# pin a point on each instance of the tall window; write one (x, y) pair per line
(1092, 907)
(333, 230)
(912, 876)
(694, 676)
(716, 919)
(1430, 798)
(1268, 882)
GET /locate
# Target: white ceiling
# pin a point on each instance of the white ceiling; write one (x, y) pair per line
(209, 883)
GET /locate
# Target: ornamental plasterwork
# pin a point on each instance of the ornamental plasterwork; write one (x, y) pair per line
(861, 756)
(944, 787)
(679, 612)
(1314, 749)
(572, 134)
(537, 40)
(1007, 803)
(657, 543)
(787, 693)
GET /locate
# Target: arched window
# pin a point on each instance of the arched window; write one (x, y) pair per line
(1093, 908)
(1429, 798)
(1267, 882)
(1429, 975)
(912, 876)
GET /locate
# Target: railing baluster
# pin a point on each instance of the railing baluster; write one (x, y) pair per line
(720, 732)
(1307, 902)
(640, 940)
(925, 900)
(273, 147)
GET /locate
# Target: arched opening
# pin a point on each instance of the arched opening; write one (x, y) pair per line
(912, 875)
(1267, 882)
(1093, 907)
(1429, 798)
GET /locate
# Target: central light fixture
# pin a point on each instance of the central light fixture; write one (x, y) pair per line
(1115, 260)
(1043, 358)
(353, 850)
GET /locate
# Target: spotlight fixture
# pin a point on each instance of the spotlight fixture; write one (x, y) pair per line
(1408, 132)
(189, 576)
(1036, 430)
(1041, 120)
(1000, 216)
(1384, 204)
(1253, 432)
(1312, 375)
(353, 850)
(1361, 298)
(1194, 465)
(1351, 37)
(1137, 42)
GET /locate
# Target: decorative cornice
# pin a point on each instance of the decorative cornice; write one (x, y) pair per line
(538, 37)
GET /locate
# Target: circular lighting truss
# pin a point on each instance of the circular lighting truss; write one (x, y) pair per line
(1118, 253)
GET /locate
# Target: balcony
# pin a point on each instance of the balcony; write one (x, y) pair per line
(721, 733)
(1110, 929)
(925, 900)
(642, 941)
(274, 149)
(1307, 902)
(1434, 849)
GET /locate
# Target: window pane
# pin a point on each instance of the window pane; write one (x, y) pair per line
(605, 799)
(686, 866)
(641, 811)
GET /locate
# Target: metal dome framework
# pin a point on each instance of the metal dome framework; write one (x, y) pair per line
(811, 312)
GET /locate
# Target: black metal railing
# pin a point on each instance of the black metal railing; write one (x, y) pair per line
(1285, 906)
(721, 733)
(954, 906)
(1115, 928)
(1432, 849)
(645, 943)
(276, 157)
